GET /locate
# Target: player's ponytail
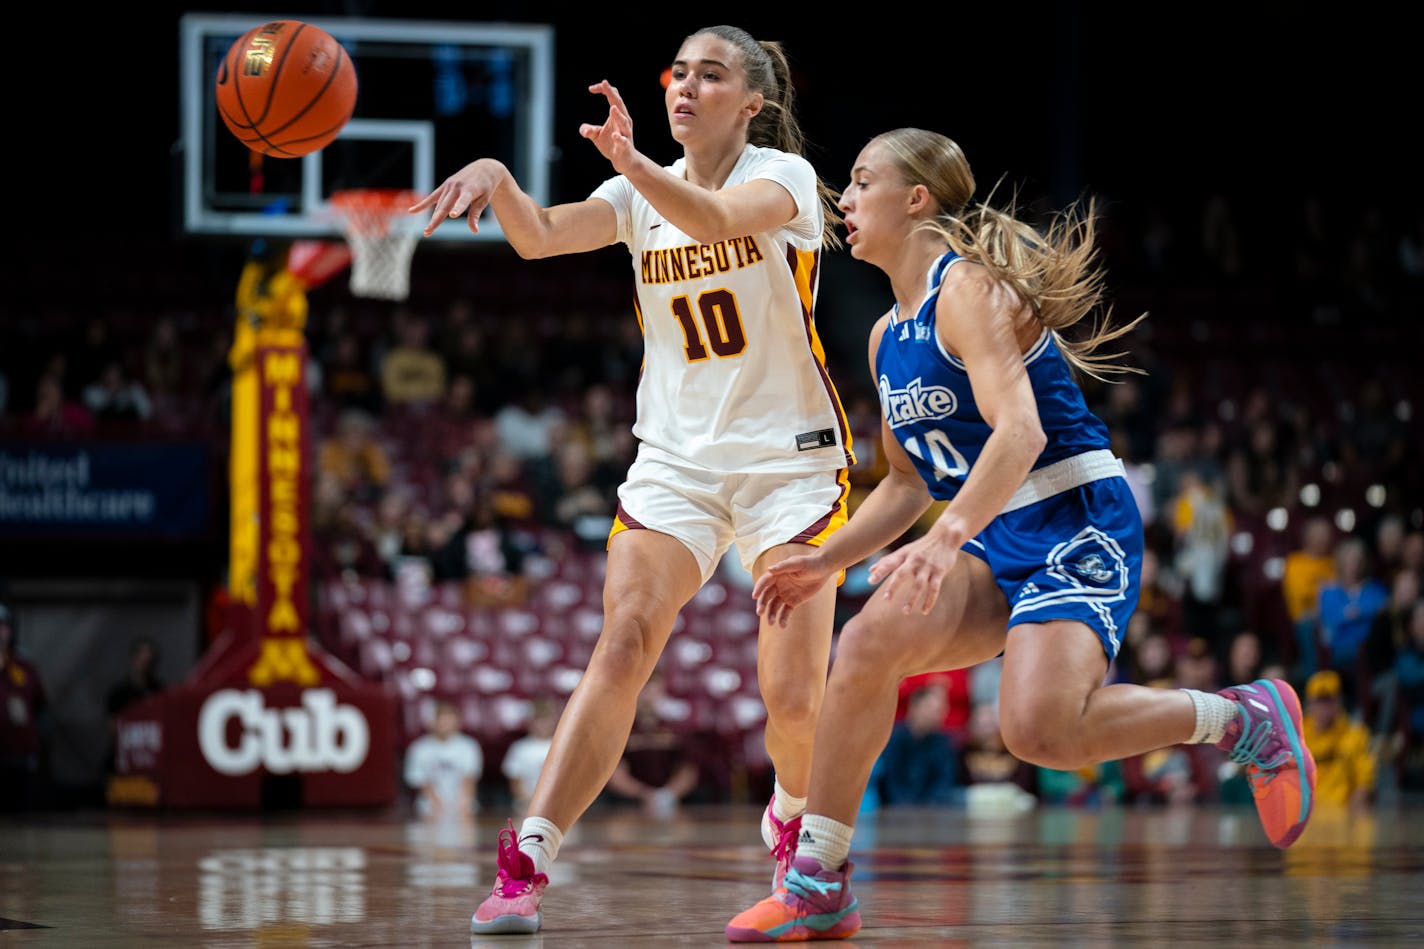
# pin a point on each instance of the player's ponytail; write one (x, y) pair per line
(1054, 270)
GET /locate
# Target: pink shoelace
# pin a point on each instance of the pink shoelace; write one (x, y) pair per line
(516, 870)
(786, 834)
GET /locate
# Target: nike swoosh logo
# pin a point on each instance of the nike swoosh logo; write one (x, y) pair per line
(535, 837)
(656, 226)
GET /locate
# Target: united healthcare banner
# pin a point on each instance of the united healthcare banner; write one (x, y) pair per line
(105, 490)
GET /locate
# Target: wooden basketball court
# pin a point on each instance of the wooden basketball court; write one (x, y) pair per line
(1053, 877)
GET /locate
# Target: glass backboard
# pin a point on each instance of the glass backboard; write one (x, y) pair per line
(432, 96)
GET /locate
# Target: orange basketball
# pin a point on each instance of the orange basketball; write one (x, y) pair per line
(286, 88)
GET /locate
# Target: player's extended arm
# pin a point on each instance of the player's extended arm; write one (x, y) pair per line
(975, 319)
(532, 230)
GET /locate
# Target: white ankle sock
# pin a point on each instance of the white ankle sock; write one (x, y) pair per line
(540, 840)
(1214, 714)
(784, 807)
(825, 840)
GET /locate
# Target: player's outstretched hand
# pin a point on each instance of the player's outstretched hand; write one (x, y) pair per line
(467, 191)
(614, 138)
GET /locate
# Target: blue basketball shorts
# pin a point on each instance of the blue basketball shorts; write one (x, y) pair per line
(1076, 555)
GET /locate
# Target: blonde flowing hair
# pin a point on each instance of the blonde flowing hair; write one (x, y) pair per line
(769, 72)
(1053, 271)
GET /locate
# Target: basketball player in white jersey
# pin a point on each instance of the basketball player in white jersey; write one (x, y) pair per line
(743, 439)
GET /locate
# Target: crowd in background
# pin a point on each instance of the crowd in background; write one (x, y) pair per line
(1272, 446)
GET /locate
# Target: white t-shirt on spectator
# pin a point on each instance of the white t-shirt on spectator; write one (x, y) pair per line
(524, 760)
(442, 764)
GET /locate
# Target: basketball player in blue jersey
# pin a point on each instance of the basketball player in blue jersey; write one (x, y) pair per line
(1034, 556)
(742, 437)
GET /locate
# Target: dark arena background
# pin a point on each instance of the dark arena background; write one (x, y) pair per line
(259, 521)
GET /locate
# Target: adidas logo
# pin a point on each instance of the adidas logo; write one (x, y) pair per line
(805, 837)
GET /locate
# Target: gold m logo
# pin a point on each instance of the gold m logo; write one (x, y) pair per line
(283, 660)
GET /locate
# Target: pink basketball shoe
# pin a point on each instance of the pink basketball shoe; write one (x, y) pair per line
(513, 904)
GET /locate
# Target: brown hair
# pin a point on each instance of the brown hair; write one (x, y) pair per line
(768, 71)
(1054, 271)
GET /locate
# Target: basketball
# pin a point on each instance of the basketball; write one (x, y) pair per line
(286, 88)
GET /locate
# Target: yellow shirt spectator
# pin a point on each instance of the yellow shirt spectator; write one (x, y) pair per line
(1308, 569)
(1304, 575)
(1344, 762)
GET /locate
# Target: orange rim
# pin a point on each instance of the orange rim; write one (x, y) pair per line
(370, 210)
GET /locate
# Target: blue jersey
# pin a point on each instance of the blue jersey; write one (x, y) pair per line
(926, 399)
(1068, 545)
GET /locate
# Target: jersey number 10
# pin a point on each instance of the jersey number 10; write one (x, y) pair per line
(943, 456)
(723, 320)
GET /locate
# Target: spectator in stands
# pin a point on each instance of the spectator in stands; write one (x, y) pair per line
(141, 679)
(1161, 596)
(470, 355)
(1409, 670)
(1375, 440)
(54, 414)
(356, 458)
(1171, 775)
(347, 379)
(511, 491)
(576, 494)
(1196, 666)
(1153, 663)
(1307, 569)
(1175, 453)
(115, 397)
(477, 547)
(600, 426)
(163, 360)
(96, 350)
(443, 767)
(340, 540)
(1348, 605)
(1344, 760)
(920, 764)
(1411, 554)
(412, 373)
(1245, 657)
(1389, 545)
(658, 769)
(957, 699)
(1260, 474)
(24, 712)
(986, 759)
(459, 405)
(1222, 246)
(529, 425)
(387, 531)
(1201, 524)
(1388, 637)
(525, 757)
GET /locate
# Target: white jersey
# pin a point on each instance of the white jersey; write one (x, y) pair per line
(734, 374)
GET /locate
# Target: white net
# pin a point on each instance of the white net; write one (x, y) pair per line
(382, 238)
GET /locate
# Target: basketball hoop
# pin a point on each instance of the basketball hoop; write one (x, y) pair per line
(382, 237)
